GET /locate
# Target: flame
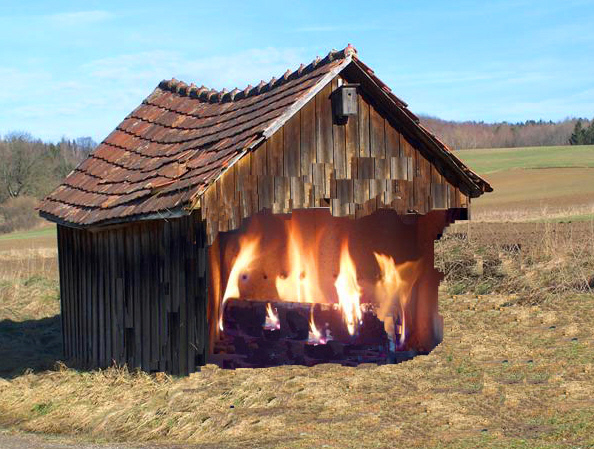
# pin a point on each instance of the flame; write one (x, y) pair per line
(348, 290)
(315, 336)
(393, 290)
(272, 319)
(242, 263)
(301, 285)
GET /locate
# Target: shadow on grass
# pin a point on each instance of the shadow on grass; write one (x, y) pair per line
(29, 345)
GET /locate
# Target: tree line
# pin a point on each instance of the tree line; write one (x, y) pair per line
(30, 169)
(582, 135)
(472, 134)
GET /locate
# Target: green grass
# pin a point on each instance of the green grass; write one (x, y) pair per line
(31, 234)
(492, 160)
(566, 218)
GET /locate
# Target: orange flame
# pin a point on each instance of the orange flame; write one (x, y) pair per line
(242, 263)
(272, 319)
(315, 336)
(348, 290)
(393, 290)
(301, 285)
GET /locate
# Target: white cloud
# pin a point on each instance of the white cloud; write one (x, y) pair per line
(79, 17)
(95, 97)
(228, 71)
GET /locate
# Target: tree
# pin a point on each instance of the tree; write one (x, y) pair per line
(21, 166)
(578, 134)
(589, 135)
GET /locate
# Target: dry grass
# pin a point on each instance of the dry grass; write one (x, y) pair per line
(30, 328)
(503, 376)
(508, 374)
(530, 262)
(550, 193)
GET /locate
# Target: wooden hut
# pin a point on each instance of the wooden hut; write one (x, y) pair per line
(138, 218)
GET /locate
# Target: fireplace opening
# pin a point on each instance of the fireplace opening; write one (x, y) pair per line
(308, 288)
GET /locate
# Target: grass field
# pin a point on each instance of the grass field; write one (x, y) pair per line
(515, 369)
(532, 184)
(491, 160)
(43, 237)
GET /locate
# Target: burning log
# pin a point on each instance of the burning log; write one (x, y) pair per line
(275, 333)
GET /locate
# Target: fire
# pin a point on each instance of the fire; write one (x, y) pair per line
(301, 285)
(243, 261)
(272, 319)
(309, 278)
(348, 290)
(315, 336)
(393, 290)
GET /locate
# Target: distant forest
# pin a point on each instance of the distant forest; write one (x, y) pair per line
(465, 135)
(29, 170)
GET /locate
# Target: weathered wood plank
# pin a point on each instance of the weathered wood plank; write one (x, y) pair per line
(119, 294)
(183, 298)
(154, 295)
(89, 295)
(174, 314)
(365, 168)
(363, 128)
(351, 144)
(107, 292)
(191, 294)
(94, 299)
(308, 139)
(377, 138)
(165, 280)
(324, 146)
(83, 297)
(274, 154)
(392, 141)
(113, 300)
(291, 134)
(339, 144)
(138, 294)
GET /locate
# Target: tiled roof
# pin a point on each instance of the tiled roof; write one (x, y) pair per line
(181, 138)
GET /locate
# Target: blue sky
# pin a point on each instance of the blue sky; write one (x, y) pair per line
(77, 68)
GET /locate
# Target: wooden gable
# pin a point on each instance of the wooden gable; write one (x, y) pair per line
(353, 168)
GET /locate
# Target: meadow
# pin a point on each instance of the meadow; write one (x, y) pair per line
(515, 368)
(534, 183)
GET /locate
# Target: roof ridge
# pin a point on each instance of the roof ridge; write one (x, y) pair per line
(213, 96)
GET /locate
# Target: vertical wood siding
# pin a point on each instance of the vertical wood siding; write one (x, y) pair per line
(135, 295)
(353, 167)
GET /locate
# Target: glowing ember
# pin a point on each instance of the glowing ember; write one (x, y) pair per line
(272, 319)
(247, 254)
(315, 335)
(301, 285)
(348, 290)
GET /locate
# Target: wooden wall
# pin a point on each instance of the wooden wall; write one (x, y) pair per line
(135, 295)
(353, 168)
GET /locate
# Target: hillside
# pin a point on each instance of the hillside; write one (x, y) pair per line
(534, 183)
